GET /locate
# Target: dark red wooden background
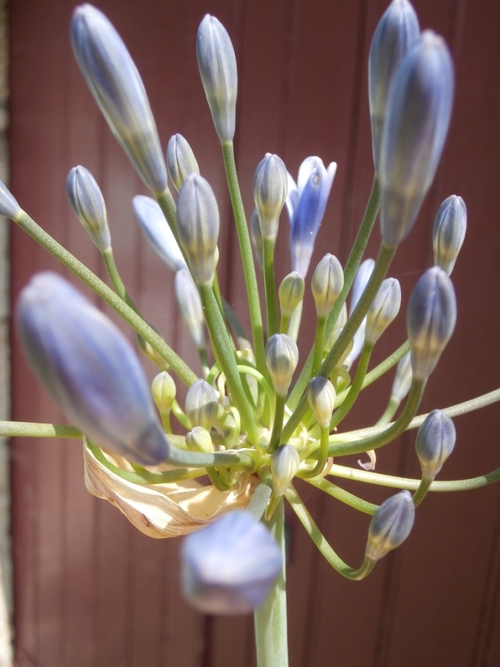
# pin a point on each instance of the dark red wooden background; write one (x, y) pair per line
(89, 590)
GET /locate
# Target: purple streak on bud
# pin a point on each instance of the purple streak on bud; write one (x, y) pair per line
(90, 369)
(306, 203)
(415, 128)
(189, 302)
(87, 202)
(282, 357)
(449, 232)
(201, 404)
(396, 32)
(180, 160)
(432, 313)
(8, 205)
(229, 566)
(117, 87)
(219, 74)
(435, 442)
(390, 525)
(157, 231)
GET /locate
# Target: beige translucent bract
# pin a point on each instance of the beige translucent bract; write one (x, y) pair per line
(164, 510)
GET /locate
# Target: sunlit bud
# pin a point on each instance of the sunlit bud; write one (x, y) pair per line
(360, 281)
(189, 302)
(163, 390)
(432, 313)
(384, 309)
(229, 566)
(117, 87)
(90, 369)
(219, 74)
(157, 231)
(199, 440)
(396, 32)
(306, 203)
(435, 442)
(8, 205)
(415, 128)
(390, 525)
(270, 188)
(284, 466)
(291, 292)
(326, 284)
(198, 224)
(321, 396)
(256, 235)
(449, 232)
(282, 357)
(346, 354)
(87, 202)
(402, 381)
(180, 160)
(201, 404)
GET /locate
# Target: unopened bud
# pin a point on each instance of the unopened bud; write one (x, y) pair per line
(390, 525)
(201, 404)
(189, 302)
(87, 202)
(199, 440)
(327, 284)
(383, 311)
(402, 381)
(256, 235)
(449, 232)
(163, 390)
(432, 313)
(219, 74)
(282, 357)
(270, 188)
(284, 466)
(157, 231)
(180, 160)
(321, 396)
(291, 293)
(8, 205)
(435, 442)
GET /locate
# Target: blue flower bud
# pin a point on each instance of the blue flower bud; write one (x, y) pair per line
(396, 32)
(189, 302)
(449, 232)
(435, 442)
(306, 203)
(198, 225)
(117, 87)
(256, 235)
(291, 292)
(384, 309)
(360, 282)
(8, 205)
(282, 357)
(390, 525)
(87, 202)
(270, 188)
(321, 396)
(402, 381)
(327, 284)
(432, 313)
(201, 404)
(90, 369)
(180, 160)
(415, 128)
(219, 74)
(229, 566)
(285, 463)
(157, 231)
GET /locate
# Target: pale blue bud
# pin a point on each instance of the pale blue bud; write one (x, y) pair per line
(256, 236)
(8, 205)
(390, 525)
(402, 381)
(229, 566)
(396, 32)
(321, 396)
(435, 442)
(327, 284)
(415, 128)
(282, 357)
(291, 292)
(432, 313)
(449, 232)
(270, 188)
(198, 225)
(360, 282)
(285, 463)
(117, 87)
(90, 369)
(87, 202)
(199, 440)
(157, 231)
(219, 74)
(189, 302)
(180, 160)
(384, 309)
(201, 404)
(306, 203)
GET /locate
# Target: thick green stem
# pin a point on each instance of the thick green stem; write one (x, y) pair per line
(279, 413)
(270, 619)
(270, 288)
(246, 255)
(319, 344)
(107, 295)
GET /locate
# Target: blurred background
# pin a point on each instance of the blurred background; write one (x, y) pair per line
(89, 590)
